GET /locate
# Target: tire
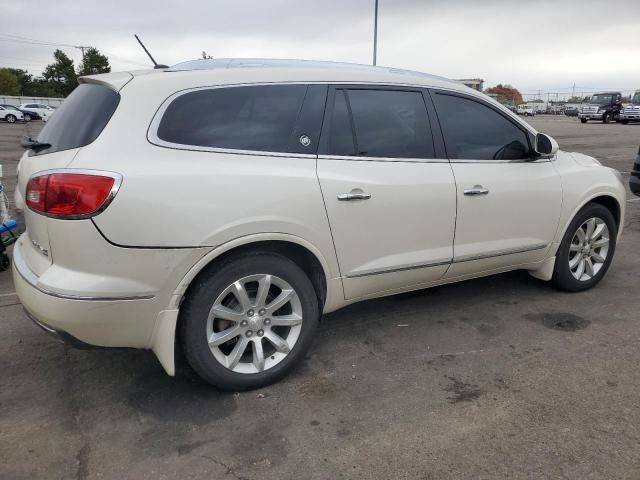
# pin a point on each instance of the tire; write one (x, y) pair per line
(572, 248)
(606, 117)
(27, 117)
(10, 118)
(583, 120)
(624, 122)
(251, 325)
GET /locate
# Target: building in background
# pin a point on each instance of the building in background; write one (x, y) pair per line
(475, 83)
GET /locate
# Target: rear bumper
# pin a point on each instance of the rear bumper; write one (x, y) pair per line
(84, 320)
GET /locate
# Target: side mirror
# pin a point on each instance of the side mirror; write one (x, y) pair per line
(546, 145)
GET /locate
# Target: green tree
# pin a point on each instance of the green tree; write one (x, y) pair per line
(9, 84)
(93, 62)
(61, 74)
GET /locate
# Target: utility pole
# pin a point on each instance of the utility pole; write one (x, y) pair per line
(375, 34)
(82, 49)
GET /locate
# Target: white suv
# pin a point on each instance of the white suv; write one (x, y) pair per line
(222, 206)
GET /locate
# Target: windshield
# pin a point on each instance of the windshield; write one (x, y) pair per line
(636, 98)
(601, 99)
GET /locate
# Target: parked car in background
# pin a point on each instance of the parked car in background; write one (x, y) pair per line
(38, 109)
(605, 106)
(526, 111)
(631, 112)
(10, 115)
(223, 205)
(26, 116)
(511, 108)
(634, 181)
(571, 110)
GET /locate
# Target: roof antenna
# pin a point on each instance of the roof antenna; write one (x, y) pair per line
(155, 64)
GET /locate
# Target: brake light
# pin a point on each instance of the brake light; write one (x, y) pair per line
(71, 194)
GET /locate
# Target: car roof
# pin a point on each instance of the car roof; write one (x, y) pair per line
(225, 71)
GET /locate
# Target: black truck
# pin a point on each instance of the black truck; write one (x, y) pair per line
(604, 106)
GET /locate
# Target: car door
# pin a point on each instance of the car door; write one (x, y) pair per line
(509, 200)
(389, 194)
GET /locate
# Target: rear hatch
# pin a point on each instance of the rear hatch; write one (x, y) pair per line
(77, 122)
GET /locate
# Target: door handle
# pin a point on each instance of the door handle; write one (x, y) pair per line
(354, 195)
(476, 190)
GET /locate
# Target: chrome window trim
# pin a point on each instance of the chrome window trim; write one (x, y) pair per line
(152, 131)
(31, 278)
(382, 159)
(117, 182)
(500, 253)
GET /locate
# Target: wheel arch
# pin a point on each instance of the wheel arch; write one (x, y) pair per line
(607, 200)
(309, 258)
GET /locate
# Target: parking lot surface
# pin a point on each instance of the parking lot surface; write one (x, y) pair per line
(501, 377)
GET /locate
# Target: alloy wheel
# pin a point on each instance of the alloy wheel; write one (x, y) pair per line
(589, 249)
(254, 323)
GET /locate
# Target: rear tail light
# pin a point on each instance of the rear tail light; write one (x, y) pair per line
(71, 194)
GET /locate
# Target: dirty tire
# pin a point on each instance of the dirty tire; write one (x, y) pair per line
(562, 278)
(202, 295)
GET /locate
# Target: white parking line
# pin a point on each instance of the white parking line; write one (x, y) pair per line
(634, 200)
(12, 294)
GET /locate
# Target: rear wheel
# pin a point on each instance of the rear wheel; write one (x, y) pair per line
(10, 118)
(247, 323)
(586, 250)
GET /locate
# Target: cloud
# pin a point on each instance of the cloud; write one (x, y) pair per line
(541, 45)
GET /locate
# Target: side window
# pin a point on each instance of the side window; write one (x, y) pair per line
(473, 131)
(380, 123)
(260, 118)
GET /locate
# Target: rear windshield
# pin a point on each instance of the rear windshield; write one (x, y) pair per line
(80, 118)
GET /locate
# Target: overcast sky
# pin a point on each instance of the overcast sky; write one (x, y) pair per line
(533, 45)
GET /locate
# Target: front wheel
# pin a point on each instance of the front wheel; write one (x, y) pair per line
(606, 118)
(246, 323)
(624, 122)
(583, 120)
(27, 118)
(586, 250)
(11, 118)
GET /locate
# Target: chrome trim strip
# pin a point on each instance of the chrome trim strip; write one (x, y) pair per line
(31, 278)
(438, 263)
(526, 160)
(500, 253)
(382, 159)
(117, 182)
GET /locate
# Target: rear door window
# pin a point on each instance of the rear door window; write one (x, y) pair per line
(80, 119)
(267, 118)
(380, 123)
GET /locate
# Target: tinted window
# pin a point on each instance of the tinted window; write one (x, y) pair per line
(387, 123)
(474, 131)
(31, 105)
(259, 118)
(80, 118)
(341, 139)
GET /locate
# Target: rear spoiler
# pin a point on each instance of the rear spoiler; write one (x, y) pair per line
(116, 81)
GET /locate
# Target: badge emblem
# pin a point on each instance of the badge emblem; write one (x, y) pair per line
(305, 141)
